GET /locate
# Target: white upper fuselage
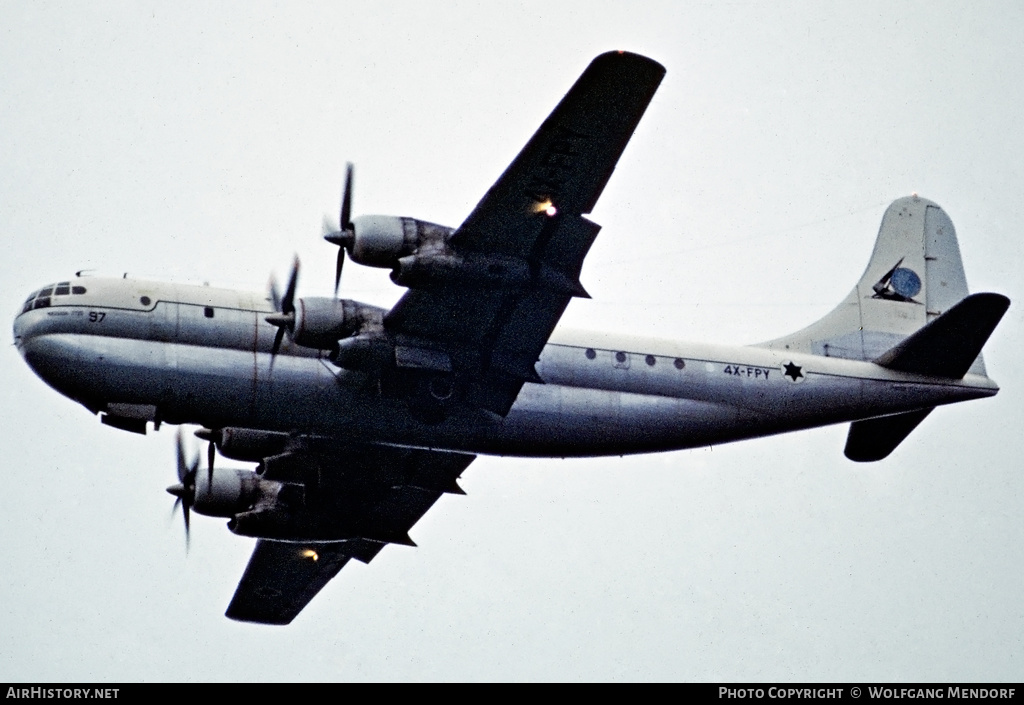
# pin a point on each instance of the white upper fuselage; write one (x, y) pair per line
(201, 355)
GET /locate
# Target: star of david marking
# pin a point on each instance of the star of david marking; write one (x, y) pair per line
(793, 371)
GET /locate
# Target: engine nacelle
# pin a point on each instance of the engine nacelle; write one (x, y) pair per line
(321, 322)
(281, 524)
(432, 270)
(225, 492)
(437, 271)
(381, 240)
(249, 444)
(365, 353)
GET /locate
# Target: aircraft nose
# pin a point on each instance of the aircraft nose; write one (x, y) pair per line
(42, 341)
(25, 324)
(22, 326)
(54, 358)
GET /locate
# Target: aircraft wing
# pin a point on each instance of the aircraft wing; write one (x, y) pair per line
(530, 222)
(369, 496)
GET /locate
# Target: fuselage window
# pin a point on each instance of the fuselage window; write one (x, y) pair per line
(679, 363)
(208, 311)
(30, 297)
(650, 360)
(42, 302)
(591, 354)
(47, 291)
(78, 290)
(63, 289)
(145, 301)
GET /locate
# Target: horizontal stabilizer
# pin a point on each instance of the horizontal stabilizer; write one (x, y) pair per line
(948, 346)
(874, 439)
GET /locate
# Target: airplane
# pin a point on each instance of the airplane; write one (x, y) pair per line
(359, 418)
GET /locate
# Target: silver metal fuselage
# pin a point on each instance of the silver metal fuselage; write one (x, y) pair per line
(201, 355)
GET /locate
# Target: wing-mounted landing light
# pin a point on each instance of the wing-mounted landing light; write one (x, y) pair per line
(185, 490)
(345, 234)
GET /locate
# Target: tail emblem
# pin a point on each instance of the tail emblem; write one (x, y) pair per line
(898, 284)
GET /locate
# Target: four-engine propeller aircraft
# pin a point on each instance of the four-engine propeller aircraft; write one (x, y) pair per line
(361, 418)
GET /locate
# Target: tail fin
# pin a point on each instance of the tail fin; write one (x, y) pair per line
(914, 276)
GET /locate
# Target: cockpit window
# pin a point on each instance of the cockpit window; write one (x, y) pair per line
(41, 298)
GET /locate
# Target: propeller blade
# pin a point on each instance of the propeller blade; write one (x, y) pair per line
(284, 311)
(346, 200)
(275, 297)
(188, 529)
(185, 491)
(344, 235)
(182, 469)
(277, 344)
(189, 499)
(337, 270)
(211, 452)
(288, 302)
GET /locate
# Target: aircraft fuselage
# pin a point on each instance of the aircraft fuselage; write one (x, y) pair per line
(200, 355)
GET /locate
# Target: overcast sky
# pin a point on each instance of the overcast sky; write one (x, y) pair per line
(204, 142)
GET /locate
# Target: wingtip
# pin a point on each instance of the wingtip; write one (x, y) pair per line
(241, 616)
(629, 56)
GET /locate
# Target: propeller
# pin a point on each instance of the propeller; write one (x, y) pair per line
(185, 490)
(284, 316)
(344, 236)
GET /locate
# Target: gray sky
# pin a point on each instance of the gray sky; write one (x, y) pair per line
(204, 142)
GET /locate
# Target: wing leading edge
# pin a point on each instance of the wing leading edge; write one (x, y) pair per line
(531, 220)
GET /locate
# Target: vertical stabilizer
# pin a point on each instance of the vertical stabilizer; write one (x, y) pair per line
(915, 275)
